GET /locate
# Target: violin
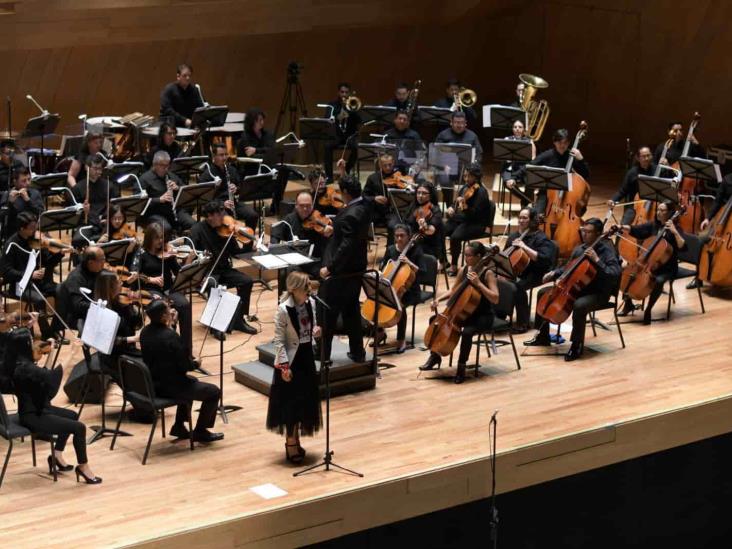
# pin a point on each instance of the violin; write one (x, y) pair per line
(41, 347)
(54, 246)
(443, 333)
(401, 275)
(715, 262)
(242, 233)
(423, 212)
(123, 273)
(317, 222)
(127, 297)
(398, 181)
(638, 278)
(125, 231)
(329, 197)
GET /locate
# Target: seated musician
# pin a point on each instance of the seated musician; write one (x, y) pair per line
(229, 186)
(322, 194)
(425, 217)
(629, 189)
(448, 101)
(402, 234)
(165, 356)
(8, 163)
(556, 157)
(158, 265)
(673, 235)
(205, 237)
(13, 263)
(165, 141)
(468, 218)
(346, 127)
(458, 132)
(72, 303)
(375, 194)
(292, 226)
(406, 139)
(482, 318)
(674, 152)
(594, 295)
(519, 94)
(180, 99)
(20, 198)
(542, 253)
(119, 229)
(95, 200)
(162, 186)
(722, 196)
(401, 97)
(518, 133)
(90, 146)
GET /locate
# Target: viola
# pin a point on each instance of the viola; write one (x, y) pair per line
(41, 241)
(398, 181)
(556, 304)
(317, 222)
(127, 297)
(715, 262)
(329, 197)
(401, 275)
(566, 208)
(242, 233)
(638, 278)
(125, 231)
(443, 333)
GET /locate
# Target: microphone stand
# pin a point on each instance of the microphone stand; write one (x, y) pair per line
(327, 462)
(493, 513)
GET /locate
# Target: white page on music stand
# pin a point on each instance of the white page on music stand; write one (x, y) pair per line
(100, 328)
(295, 258)
(225, 311)
(29, 268)
(270, 261)
(214, 297)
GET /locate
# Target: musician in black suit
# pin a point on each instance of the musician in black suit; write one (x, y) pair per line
(8, 163)
(71, 303)
(164, 354)
(595, 294)
(346, 127)
(629, 188)
(162, 187)
(676, 149)
(344, 262)
(407, 140)
(518, 133)
(180, 99)
(20, 198)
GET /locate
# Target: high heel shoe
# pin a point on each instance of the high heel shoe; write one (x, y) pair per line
(60, 468)
(79, 472)
(297, 458)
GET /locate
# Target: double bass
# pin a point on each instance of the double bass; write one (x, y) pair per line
(715, 262)
(639, 277)
(556, 304)
(565, 208)
(443, 333)
(401, 275)
(690, 222)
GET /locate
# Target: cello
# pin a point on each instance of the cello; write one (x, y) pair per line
(556, 304)
(443, 333)
(715, 262)
(688, 189)
(566, 208)
(517, 256)
(401, 275)
(638, 278)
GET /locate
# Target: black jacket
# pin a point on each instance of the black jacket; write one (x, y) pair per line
(347, 248)
(206, 238)
(165, 356)
(177, 104)
(71, 303)
(608, 269)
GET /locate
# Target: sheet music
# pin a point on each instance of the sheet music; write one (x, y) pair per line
(29, 268)
(100, 328)
(213, 299)
(220, 309)
(270, 261)
(294, 258)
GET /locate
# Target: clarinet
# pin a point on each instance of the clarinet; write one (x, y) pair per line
(172, 205)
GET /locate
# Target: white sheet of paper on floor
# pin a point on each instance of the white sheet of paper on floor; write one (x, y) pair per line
(268, 491)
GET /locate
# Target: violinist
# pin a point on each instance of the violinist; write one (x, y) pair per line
(229, 186)
(675, 151)
(20, 198)
(470, 214)
(594, 295)
(109, 288)
(541, 252)
(71, 302)
(159, 265)
(425, 217)
(346, 126)
(91, 145)
(8, 163)
(556, 157)
(326, 198)
(402, 234)
(509, 169)
(95, 199)
(206, 237)
(482, 318)
(119, 229)
(629, 189)
(162, 187)
(376, 197)
(179, 99)
(674, 236)
(406, 139)
(165, 141)
(13, 263)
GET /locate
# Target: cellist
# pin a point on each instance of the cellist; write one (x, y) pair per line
(481, 319)
(597, 293)
(668, 271)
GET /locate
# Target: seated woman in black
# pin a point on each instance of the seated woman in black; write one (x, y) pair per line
(119, 229)
(430, 225)
(165, 141)
(35, 386)
(664, 211)
(482, 318)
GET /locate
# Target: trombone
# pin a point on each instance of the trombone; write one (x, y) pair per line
(463, 98)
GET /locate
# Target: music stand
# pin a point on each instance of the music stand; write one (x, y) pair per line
(205, 117)
(402, 200)
(434, 115)
(132, 206)
(44, 183)
(63, 219)
(257, 187)
(546, 178)
(194, 196)
(449, 155)
(502, 117)
(407, 150)
(701, 169)
(115, 251)
(120, 169)
(41, 126)
(189, 277)
(380, 114)
(657, 189)
(379, 289)
(314, 130)
(187, 165)
(512, 150)
(371, 151)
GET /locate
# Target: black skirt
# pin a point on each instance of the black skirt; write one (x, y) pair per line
(296, 401)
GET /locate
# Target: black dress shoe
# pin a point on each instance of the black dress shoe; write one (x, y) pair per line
(694, 284)
(432, 361)
(245, 327)
(356, 358)
(206, 436)
(539, 340)
(574, 353)
(180, 431)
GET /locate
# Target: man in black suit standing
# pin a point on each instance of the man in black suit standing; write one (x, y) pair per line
(164, 354)
(344, 262)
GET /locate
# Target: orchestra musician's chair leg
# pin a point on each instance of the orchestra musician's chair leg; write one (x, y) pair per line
(612, 303)
(670, 299)
(426, 278)
(503, 322)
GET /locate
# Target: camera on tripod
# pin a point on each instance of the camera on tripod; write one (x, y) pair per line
(293, 69)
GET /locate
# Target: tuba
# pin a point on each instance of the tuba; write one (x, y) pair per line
(537, 112)
(464, 98)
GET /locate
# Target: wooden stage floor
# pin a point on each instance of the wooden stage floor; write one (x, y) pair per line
(421, 444)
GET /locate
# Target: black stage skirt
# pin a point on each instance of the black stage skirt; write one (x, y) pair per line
(296, 401)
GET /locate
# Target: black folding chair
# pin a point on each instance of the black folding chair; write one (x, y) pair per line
(690, 255)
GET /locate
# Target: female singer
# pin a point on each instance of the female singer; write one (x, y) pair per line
(482, 319)
(294, 400)
(425, 216)
(35, 386)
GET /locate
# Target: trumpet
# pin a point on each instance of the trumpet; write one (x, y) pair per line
(464, 97)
